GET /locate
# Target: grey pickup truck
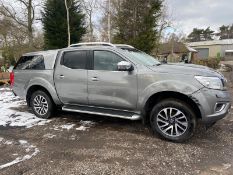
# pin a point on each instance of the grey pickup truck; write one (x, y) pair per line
(121, 81)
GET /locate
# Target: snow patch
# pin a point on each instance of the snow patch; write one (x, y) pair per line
(62, 127)
(8, 142)
(223, 68)
(20, 159)
(67, 126)
(11, 113)
(82, 128)
(85, 125)
(49, 136)
(5, 89)
(23, 142)
(28, 148)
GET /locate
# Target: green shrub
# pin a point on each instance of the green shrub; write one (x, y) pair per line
(210, 62)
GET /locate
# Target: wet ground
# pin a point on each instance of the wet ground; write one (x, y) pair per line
(83, 144)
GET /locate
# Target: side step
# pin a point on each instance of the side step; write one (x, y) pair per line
(102, 111)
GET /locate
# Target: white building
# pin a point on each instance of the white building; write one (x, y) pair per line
(212, 49)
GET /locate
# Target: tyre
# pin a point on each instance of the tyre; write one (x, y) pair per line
(42, 104)
(173, 120)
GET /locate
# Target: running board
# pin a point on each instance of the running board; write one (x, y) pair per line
(102, 111)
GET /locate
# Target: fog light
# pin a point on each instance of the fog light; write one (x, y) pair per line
(219, 107)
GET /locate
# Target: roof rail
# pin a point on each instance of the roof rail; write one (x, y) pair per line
(124, 45)
(92, 44)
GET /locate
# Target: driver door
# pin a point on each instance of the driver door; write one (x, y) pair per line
(108, 87)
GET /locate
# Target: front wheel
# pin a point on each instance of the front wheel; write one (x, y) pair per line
(173, 119)
(42, 104)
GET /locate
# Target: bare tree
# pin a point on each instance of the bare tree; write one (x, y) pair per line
(13, 37)
(25, 18)
(90, 6)
(164, 22)
(110, 9)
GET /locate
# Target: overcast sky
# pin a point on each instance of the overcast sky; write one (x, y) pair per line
(187, 14)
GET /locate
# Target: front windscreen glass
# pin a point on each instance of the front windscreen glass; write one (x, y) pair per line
(140, 57)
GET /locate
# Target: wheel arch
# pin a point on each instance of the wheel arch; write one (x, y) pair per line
(35, 88)
(155, 98)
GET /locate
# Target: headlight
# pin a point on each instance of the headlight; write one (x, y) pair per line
(210, 82)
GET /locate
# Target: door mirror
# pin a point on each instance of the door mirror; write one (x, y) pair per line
(125, 66)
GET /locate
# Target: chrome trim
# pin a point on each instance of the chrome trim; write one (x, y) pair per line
(92, 44)
(134, 117)
(124, 45)
(99, 107)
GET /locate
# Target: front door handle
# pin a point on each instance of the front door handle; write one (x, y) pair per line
(95, 79)
(61, 76)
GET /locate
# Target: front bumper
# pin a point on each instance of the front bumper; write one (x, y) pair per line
(208, 101)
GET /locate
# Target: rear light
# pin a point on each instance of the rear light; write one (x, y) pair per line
(12, 79)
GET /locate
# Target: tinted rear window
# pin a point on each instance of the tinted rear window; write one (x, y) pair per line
(31, 63)
(75, 59)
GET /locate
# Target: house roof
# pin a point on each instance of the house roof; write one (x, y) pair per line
(166, 48)
(210, 43)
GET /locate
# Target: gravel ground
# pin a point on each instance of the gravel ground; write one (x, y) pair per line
(86, 144)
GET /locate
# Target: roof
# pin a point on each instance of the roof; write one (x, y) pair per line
(210, 43)
(191, 49)
(179, 47)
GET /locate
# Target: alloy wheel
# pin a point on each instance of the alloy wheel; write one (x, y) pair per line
(172, 122)
(40, 105)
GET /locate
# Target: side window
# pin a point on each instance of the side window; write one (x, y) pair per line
(105, 60)
(31, 62)
(75, 59)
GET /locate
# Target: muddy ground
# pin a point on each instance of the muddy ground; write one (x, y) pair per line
(69, 145)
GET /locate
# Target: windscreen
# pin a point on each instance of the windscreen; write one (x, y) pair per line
(140, 57)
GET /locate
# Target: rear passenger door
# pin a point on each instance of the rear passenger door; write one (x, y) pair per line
(71, 77)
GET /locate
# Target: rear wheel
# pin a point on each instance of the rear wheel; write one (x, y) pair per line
(173, 119)
(42, 104)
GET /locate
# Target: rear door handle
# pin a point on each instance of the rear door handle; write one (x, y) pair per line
(94, 79)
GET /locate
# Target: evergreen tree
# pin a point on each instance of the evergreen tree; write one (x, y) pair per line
(137, 23)
(208, 34)
(226, 32)
(55, 23)
(201, 35)
(196, 35)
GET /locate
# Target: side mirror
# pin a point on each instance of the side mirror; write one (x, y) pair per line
(125, 66)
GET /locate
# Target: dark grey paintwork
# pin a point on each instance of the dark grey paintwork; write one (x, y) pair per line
(119, 90)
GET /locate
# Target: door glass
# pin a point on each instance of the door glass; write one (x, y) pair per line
(105, 60)
(75, 59)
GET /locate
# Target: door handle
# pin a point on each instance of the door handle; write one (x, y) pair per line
(94, 79)
(61, 76)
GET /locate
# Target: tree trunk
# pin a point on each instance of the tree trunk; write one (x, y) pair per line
(68, 22)
(30, 21)
(91, 28)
